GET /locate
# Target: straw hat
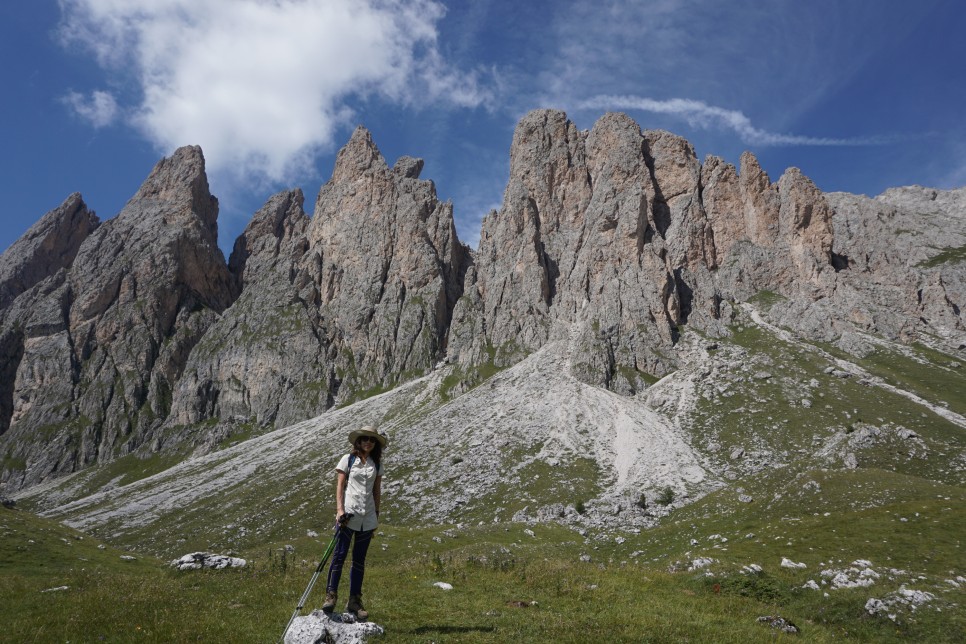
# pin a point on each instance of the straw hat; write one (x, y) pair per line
(368, 430)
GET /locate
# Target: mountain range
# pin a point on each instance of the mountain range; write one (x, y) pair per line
(619, 268)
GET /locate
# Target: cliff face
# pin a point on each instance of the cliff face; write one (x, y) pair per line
(135, 335)
(104, 341)
(354, 300)
(611, 239)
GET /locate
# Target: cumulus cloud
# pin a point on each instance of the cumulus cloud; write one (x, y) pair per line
(99, 109)
(701, 115)
(263, 85)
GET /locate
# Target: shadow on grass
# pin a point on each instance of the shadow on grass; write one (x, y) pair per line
(422, 630)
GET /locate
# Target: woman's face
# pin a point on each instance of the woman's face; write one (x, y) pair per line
(365, 444)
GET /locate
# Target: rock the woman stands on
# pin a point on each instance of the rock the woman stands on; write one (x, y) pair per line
(358, 492)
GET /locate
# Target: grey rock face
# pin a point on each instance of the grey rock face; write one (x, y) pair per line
(383, 270)
(576, 242)
(49, 246)
(356, 299)
(901, 259)
(104, 342)
(611, 239)
(134, 334)
(251, 366)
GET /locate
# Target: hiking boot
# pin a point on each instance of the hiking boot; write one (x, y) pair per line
(329, 605)
(354, 606)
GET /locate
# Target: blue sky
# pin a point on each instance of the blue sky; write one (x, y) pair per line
(860, 94)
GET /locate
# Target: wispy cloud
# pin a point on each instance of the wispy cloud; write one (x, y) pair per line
(747, 55)
(263, 85)
(955, 177)
(701, 115)
(99, 108)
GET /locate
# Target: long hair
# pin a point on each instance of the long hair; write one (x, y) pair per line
(375, 454)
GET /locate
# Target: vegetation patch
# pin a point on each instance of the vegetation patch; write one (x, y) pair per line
(766, 299)
(945, 256)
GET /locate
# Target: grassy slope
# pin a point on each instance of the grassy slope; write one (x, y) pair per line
(616, 596)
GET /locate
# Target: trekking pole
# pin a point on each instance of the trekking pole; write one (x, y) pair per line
(318, 570)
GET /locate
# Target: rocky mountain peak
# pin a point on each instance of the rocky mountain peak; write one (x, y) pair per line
(107, 343)
(359, 156)
(281, 222)
(180, 183)
(384, 259)
(408, 167)
(134, 335)
(805, 219)
(48, 246)
(358, 297)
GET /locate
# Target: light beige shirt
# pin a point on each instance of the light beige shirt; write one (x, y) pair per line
(359, 501)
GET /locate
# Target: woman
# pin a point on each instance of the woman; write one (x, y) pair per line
(358, 491)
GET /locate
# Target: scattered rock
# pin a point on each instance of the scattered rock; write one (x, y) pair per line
(552, 511)
(199, 560)
(699, 563)
(904, 598)
(914, 597)
(855, 345)
(443, 585)
(335, 628)
(779, 623)
(521, 604)
(788, 563)
(57, 589)
(860, 575)
(737, 453)
(744, 498)
(811, 585)
(812, 486)
(850, 461)
(128, 558)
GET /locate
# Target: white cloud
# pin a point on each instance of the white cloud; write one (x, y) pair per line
(263, 85)
(99, 109)
(701, 115)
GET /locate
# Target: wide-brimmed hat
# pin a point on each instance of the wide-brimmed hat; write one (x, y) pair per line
(368, 430)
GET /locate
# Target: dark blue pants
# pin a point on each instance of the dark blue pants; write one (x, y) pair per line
(358, 569)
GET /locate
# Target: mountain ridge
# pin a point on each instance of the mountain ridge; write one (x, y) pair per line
(611, 240)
